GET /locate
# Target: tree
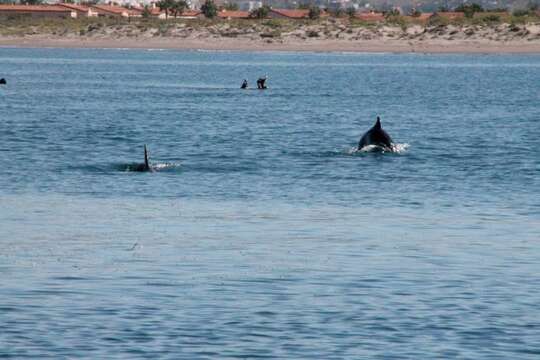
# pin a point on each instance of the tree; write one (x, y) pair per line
(337, 11)
(260, 13)
(165, 5)
(33, 2)
(314, 12)
(469, 9)
(209, 9)
(415, 12)
(390, 13)
(178, 7)
(146, 12)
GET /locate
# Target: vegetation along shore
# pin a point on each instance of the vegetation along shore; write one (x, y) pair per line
(309, 30)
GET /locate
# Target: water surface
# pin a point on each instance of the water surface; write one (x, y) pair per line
(266, 235)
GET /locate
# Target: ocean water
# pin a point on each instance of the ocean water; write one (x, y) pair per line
(264, 234)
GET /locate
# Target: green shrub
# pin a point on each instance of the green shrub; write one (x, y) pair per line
(209, 9)
(520, 12)
(314, 12)
(491, 18)
(469, 9)
(260, 13)
(351, 12)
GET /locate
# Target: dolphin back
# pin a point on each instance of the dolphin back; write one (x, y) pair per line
(376, 136)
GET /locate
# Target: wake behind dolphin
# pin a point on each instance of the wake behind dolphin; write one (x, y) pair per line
(147, 166)
(376, 138)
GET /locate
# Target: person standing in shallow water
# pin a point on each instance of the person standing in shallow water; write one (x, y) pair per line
(261, 83)
(244, 84)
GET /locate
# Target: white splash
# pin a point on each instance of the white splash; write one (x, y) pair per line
(395, 149)
(164, 166)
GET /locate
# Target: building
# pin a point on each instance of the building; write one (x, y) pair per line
(116, 11)
(226, 14)
(369, 16)
(36, 11)
(154, 11)
(288, 14)
(191, 14)
(81, 10)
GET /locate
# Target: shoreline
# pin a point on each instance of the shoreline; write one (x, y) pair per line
(323, 45)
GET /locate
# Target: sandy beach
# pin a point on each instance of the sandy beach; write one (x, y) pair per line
(280, 36)
(319, 45)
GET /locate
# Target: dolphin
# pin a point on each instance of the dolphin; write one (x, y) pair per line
(146, 166)
(376, 136)
(3, 81)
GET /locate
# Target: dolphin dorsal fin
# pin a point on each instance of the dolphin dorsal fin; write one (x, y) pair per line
(146, 164)
(377, 124)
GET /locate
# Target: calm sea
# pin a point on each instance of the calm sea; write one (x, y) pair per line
(264, 234)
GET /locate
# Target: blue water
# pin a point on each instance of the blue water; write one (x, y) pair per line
(264, 234)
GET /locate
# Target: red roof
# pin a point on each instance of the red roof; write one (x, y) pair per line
(293, 14)
(153, 10)
(34, 8)
(370, 16)
(75, 7)
(226, 14)
(117, 10)
(191, 13)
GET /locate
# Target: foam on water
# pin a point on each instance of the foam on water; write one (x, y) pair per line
(396, 149)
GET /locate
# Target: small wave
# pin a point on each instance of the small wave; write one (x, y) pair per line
(165, 166)
(395, 149)
(155, 166)
(400, 148)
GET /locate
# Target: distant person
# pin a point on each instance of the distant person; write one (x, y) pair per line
(261, 83)
(244, 84)
(3, 81)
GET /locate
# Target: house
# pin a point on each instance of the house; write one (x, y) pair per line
(288, 14)
(116, 11)
(226, 14)
(36, 11)
(154, 11)
(370, 16)
(81, 10)
(191, 14)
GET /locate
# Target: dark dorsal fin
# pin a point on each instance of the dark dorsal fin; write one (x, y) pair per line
(146, 164)
(378, 124)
